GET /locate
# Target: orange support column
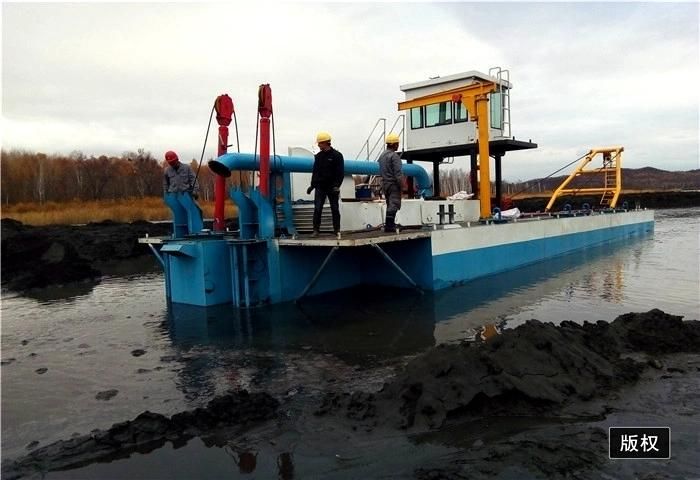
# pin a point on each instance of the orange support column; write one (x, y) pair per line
(482, 112)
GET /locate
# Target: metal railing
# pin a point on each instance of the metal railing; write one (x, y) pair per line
(502, 75)
(401, 133)
(378, 141)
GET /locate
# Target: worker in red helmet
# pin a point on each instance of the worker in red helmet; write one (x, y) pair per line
(178, 177)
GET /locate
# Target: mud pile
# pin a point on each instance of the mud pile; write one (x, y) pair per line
(145, 433)
(549, 374)
(535, 368)
(35, 257)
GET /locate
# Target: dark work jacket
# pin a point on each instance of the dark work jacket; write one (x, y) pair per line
(328, 170)
(390, 167)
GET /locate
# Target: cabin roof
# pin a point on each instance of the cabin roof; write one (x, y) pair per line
(472, 74)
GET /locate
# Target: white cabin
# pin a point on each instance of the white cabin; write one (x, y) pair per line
(448, 124)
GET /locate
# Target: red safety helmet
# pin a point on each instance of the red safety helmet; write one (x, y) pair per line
(171, 157)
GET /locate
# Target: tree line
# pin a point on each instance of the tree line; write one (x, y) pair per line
(37, 177)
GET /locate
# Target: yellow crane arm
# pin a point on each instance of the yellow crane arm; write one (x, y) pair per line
(611, 174)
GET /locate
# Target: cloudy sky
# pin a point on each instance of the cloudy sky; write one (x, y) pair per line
(107, 78)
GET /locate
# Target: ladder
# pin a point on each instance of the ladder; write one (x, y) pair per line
(503, 76)
(610, 179)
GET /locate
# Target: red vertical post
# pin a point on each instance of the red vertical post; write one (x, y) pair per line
(264, 156)
(265, 111)
(220, 184)
(224, 109)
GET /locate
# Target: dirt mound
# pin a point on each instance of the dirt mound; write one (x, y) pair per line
(145, 433)
(35, 257)
(535, 368)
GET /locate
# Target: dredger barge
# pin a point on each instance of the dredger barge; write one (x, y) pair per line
(271, 257)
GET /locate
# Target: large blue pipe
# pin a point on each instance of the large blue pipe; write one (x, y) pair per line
(247, 161)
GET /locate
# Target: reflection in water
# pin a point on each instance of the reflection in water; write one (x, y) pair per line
(489, 331)
(245, 459)
(285, 466)
(465, 309)
(356, 331)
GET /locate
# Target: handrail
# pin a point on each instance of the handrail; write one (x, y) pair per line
(401, 133)
(377, 143)
(365, 146)
(373, 179)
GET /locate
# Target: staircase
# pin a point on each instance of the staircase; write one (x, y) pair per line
(374, 144)
(304, 218)
(376, 138)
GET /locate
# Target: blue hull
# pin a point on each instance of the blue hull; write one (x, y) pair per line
(459, 267)
(214, 270)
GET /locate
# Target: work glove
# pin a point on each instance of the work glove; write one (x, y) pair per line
(309, 190)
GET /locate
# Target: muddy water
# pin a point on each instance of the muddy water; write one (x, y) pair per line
(75, 360)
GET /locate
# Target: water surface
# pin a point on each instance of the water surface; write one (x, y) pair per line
(61, 348)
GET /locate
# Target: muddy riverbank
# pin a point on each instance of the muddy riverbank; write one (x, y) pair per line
(533, 402)
(36, 257)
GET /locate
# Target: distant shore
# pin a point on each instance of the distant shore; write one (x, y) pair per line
(649, 199)
(153, 209)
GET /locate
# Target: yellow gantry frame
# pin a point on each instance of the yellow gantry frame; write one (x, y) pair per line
(611, 164)
(476, 98)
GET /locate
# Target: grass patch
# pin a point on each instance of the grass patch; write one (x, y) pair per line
(79, 212)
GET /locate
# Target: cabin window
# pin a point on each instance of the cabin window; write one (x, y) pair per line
(438, 114)
(417, 117)
(461, 114)
(496, 102)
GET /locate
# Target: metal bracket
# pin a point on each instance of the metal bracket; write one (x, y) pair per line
(396, 266)
(158, 255)
(317, 274)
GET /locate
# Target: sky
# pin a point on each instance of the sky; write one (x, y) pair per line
(106, 78)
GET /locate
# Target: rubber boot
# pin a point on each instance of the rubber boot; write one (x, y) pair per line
(389, 225)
